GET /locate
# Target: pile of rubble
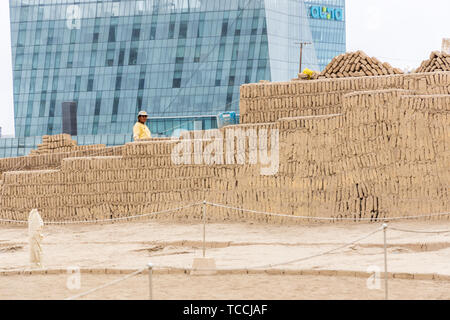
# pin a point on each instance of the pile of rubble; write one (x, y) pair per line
(61, 143)
(439, 61)
(356, 64)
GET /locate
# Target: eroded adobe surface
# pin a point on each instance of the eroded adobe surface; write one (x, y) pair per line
(365, 147)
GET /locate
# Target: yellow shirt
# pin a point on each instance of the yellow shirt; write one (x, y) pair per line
(141, 131)
(308, 72)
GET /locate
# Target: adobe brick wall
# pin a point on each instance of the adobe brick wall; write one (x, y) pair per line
(373, 147)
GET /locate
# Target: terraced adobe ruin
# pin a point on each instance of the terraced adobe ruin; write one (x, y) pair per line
(349, 147)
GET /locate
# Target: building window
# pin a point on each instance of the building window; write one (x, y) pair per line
(110, 57)
(183, 30)
(90, 85)
(201, 28)
(136, 34)
(231, 81)
(21, 38)
(48, 56)
(221, 52)
(115, 106)
(133, 56)
(153, 31)
(19, 61)
(224, 29)
(237, 32)
(229, 100)
(38, 36)
(93, 58)
(42, 108)
(32, 84)
(52, 108)
(171, 30)
(218, 77)
(57, 59)
(121, 57)
(254, 26)
(176, 83)
(177, 77)
(112, 34)
(118, 82)
(139, 103)
(98, 104)
(69, 61)
(35, 60)
(73, 35)
(50, 36)
(55, 83)
(77, 83)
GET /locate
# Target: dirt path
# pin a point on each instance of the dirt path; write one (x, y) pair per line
(220, 287)
(132, 245)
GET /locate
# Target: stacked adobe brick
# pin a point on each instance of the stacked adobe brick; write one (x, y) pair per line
(364, 147)
(439, 61)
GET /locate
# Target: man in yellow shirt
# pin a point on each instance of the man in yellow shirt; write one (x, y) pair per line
(140, 130)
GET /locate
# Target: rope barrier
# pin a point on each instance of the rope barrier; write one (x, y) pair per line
(326, 218)
(265, 266)
(246, 210)
(321, 254)
(106, 285)
(225, 269)
(107, 220)
(414, 231)
(268, 266)
(151, 266)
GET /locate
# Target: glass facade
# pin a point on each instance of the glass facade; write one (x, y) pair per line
(182, 61)
(327, 29)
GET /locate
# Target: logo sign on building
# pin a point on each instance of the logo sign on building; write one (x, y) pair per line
(327, 13)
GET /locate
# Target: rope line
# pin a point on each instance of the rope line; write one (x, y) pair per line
(415, 231)
(226, 269)
(269, 266)
(108, 220)
(244, 210)
(321, 254)
(105, 285)
(326, 218)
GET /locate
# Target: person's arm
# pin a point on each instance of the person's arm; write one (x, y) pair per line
(136, 132)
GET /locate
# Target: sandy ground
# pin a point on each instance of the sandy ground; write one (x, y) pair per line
(229, 287)
(239, 245)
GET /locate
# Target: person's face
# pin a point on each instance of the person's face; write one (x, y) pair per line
(142, 119)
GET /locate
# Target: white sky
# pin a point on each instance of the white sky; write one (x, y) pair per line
(401, 32)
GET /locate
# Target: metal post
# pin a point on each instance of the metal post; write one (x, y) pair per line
(150, 275)
(301, 54)
(385, 263)
(204, 227)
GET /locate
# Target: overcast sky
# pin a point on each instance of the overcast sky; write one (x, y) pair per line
(401, 32)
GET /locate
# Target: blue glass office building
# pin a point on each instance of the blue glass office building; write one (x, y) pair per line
(182, 61)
